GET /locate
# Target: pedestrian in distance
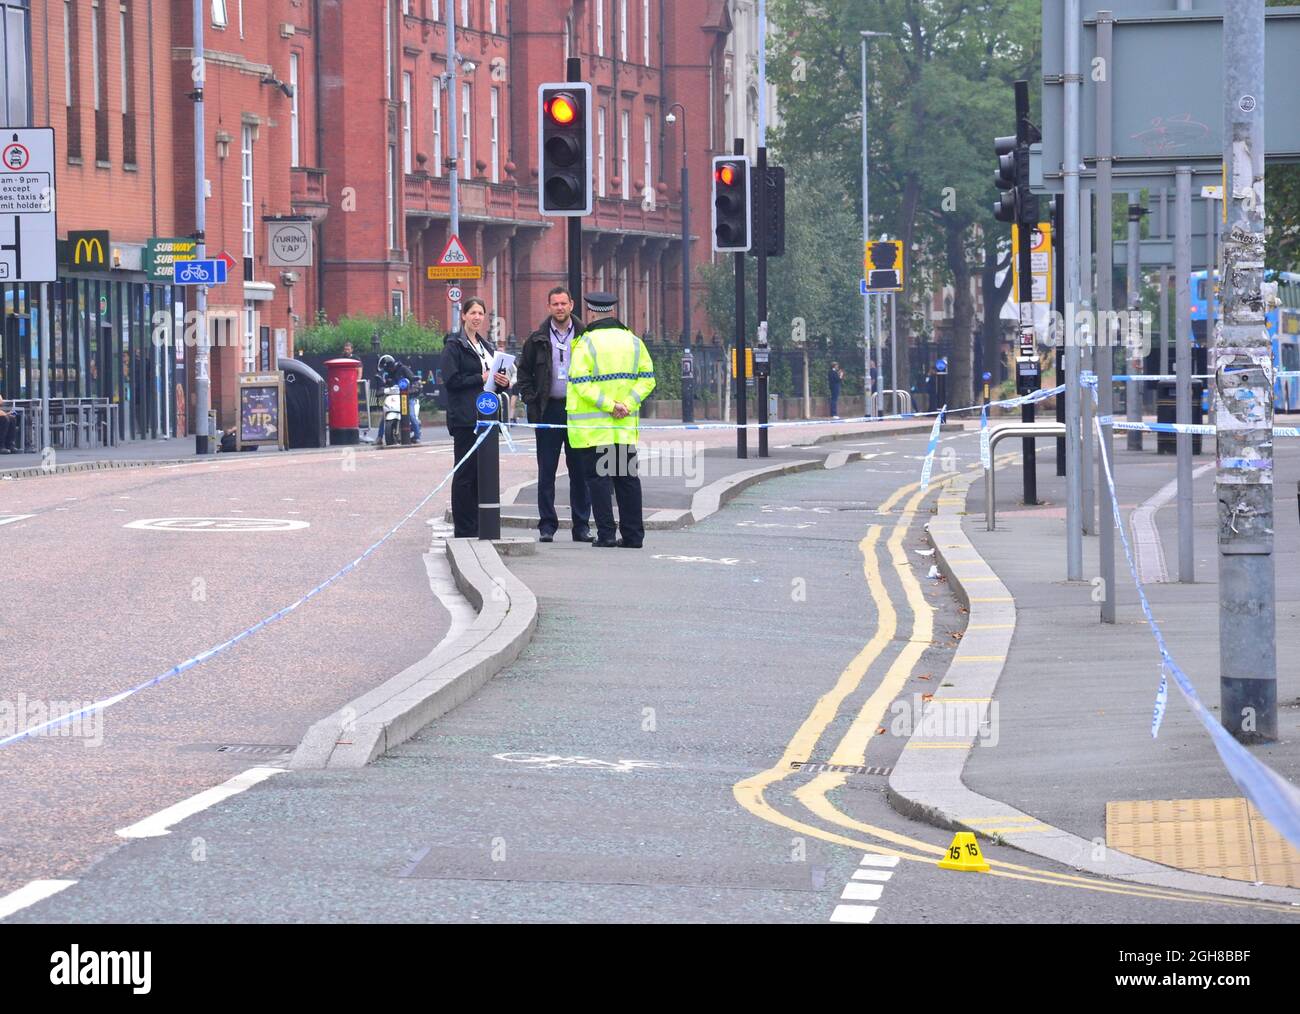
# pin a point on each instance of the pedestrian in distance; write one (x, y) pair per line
(611, 375)
(391, 374)
(9, 423)
(466, 367)
(834, 381)
(543, 388)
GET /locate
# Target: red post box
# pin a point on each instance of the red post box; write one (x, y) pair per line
(343, 377)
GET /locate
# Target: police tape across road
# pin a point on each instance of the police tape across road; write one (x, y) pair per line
(225, 645)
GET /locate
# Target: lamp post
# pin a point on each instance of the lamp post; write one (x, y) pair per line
(688, 360)
(448, 80)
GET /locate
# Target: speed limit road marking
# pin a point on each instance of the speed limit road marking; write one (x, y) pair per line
(217, 525)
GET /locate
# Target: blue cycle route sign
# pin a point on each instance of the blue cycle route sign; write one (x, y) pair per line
(488, 403)
(211, 272)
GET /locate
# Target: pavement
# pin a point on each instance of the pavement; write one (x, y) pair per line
(1076, 697)
(700, 731)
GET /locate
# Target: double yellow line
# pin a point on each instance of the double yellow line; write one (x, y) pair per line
(852, 747)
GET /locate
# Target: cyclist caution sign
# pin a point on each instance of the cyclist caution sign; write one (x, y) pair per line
(455, 264)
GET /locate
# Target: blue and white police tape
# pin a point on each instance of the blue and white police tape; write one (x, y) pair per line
(1191, 429)
(1276, 798)
(230, 642)
(1125, 378)
(928, 467)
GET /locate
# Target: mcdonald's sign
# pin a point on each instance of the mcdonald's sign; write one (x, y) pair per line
(88, 251)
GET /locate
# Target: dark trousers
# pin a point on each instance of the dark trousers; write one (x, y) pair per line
(612, 473)
(464, 486)
(549, 445)
(835, 401)
(8, 431)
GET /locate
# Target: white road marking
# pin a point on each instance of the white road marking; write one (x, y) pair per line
(772, 524)
(859, 914)
(877, 875)
(11, 519)
(217, 525)
(30, 894)
(862, 892)
(871, 859)
(161, 822)
(725, 561)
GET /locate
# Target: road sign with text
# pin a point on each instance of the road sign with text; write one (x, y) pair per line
(29, 232)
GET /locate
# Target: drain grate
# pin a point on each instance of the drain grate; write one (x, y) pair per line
(254, 749)
(844, 769)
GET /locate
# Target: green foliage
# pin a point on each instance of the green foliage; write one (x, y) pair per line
(1282, 193)
(408, 336)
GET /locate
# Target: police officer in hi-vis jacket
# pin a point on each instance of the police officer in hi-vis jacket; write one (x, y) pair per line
(610, 375)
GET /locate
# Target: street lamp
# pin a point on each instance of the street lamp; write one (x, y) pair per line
(688, 361)
(866, 235)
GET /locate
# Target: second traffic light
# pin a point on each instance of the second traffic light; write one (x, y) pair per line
(564, 138)
(1005, 179)
(731, 204)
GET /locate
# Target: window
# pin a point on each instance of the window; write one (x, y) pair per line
(399, 305)
(220, 16)
(622, 30)
(390, 175)
(437, 127)
(625, 161)
(492, 16)
(240, 10)
(600, 27)
(467, 130)
(71, 82)
(645, 32)
(99, 75)
(600, 151)
(496, 135)
(622, 288)
(295, 152)
(128, 84)
(246, 183)
(407, 165)
(645, 301)
(406, 6)
(648, 165)
(388, 50)
(464, 13)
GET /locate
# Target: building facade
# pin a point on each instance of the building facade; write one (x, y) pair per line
(334, 119)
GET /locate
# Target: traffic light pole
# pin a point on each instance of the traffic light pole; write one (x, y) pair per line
(742, 415)
(1105, 305)
(759, 235)
(202, 357)
(574, 75)
(1024, 253)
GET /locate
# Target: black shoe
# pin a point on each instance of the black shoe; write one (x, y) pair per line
(584, 537)
(628, 545)
(605, 544)
(546, 538)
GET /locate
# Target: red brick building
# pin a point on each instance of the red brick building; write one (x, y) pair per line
(334, 116)
(382, 234)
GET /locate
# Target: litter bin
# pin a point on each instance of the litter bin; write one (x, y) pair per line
(1167, 412)
(304, 404)
(343, 376)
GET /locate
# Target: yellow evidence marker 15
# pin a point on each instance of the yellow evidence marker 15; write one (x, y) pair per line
(964, 854)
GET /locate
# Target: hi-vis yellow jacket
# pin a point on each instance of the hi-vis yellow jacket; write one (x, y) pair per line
(610, 364)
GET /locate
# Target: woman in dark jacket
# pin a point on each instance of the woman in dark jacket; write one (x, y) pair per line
(466, 359)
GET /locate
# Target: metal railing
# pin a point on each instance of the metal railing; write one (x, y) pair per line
(1032, 431)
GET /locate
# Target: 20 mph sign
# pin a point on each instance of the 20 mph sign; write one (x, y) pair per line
(28, 221)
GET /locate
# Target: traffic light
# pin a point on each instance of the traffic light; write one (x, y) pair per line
(564, 138)
(1005, 179)
(731, 204)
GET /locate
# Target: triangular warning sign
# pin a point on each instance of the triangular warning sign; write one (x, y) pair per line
(964, 854)
(455, 256)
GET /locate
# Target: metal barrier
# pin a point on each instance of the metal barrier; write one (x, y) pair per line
(1030, 430)
(901, 402)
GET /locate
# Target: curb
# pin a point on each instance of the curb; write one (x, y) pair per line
(393, 712)
(926, 783)
(708, 499)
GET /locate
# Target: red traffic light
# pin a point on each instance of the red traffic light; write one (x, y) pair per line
(726, 175)
(563, 109)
